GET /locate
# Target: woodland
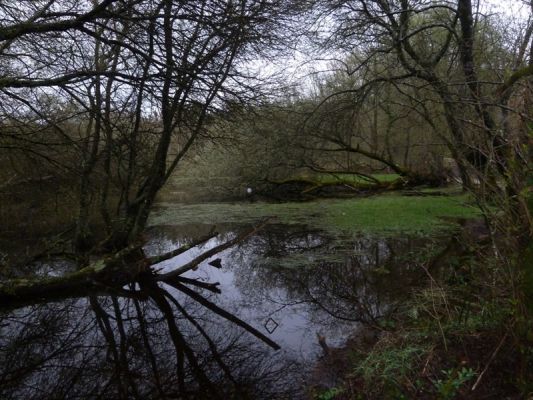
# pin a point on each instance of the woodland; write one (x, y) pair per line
(393, 135)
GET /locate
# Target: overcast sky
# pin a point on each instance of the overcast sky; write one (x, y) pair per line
(299, 68)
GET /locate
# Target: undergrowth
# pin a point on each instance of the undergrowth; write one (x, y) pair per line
(465, 335)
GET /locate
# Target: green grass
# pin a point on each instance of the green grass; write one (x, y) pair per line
(390, 364)
(399, 213)
(391, 213)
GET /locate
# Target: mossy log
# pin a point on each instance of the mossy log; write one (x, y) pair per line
(108, 274)
(309, 188)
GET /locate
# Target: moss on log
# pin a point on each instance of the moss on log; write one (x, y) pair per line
(302, 188)
(106, 274)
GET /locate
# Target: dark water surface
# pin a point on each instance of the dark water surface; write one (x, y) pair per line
(287, 282)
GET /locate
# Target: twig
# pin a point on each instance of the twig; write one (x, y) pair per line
(426, 364)
(478, 380)
(443, 295)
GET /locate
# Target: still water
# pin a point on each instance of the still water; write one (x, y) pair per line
(252, 335)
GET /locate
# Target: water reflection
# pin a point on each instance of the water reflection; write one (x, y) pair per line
(359, 280)
(110, 347)
(212, 332)
(306, 281)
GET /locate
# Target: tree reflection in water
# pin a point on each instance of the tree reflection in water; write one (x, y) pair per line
(358, 279)
(160, 346)
(172, 339)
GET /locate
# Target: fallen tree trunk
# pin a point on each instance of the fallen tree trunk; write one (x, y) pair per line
(129, 273)
(307, 188)
(304, 188)
(107, 275)
(210, 253)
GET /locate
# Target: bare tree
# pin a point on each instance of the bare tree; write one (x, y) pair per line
(116, 86)
(435, 46)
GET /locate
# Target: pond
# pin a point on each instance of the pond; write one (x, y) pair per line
(249, 322)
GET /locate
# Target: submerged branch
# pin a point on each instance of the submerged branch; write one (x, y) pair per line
(171, 254)
(211, 286)
(210, 253)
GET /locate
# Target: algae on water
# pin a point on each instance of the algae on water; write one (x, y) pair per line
(385, 214)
